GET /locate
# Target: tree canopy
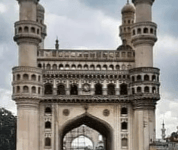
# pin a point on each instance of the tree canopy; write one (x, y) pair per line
(7, 130)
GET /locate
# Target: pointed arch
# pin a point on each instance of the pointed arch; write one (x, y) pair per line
(93, 122)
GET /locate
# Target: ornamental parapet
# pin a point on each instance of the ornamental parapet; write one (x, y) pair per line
(98, 99)
(144, 70)
(27, 82)
(26, 69)
(86, 55)
(144, 104)
(145, 96)
(27, 30)
(85, 72)
(26, 96)
(87, 99)
(144, 32)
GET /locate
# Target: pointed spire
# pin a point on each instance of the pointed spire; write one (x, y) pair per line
(57, 44)
(127, 1)
(163, 131)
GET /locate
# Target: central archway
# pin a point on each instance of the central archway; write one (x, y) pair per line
(93, 122)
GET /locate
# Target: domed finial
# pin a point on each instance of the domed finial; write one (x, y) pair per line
(57, 44)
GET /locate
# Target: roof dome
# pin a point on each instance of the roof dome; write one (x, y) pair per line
(40, 8)
(124, 46)
(128, 8)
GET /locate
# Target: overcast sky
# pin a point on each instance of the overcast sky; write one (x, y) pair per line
(93, 24)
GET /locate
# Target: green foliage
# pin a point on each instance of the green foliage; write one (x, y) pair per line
(7, 130)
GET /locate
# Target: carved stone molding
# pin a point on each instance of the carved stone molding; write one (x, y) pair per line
(144, 104)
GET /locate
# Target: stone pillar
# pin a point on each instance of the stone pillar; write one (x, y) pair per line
(27, 125)
(67, 88)
(144, 124)
(80, 88)
(92, 88)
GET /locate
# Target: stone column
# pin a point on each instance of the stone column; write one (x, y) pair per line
(27, 125)
(67, 88)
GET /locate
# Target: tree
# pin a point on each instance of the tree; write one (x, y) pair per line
(7, 130)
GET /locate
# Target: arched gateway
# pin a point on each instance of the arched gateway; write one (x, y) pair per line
(93, 122)
(107, 96)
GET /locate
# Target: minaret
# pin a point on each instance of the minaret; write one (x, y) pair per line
(40, 20)
(27, 78)
(144, 33)
(163, 130)
(145, 79)
(128, 16)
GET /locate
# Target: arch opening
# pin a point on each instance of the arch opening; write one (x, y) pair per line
(92, 122)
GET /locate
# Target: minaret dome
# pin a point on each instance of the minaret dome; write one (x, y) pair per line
(128, 8)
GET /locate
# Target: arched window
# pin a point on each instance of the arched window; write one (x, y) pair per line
(67, 67)
(73, 89)
(123, 89)
(48, 110)
(26, 29)
(20, 29)
(39, 66)
(117, 67)
(124, 111)
(98, 89)
(48, 89)
(124, 126)
(105, 67)
(133, 91)
(129, 67)
(139, 78)
(124, 142)
(33, 89)
(133, 78)
(138, 31)
(133, 32)
(98, 67)
(18, 77)
(48, 67)
(61, 67)
(92, 67)
(123, 67)
(153, 90)
(146, 89)
(25, 89)
(145, 30)
(61, 89)
(85, 67)
(73, 67)
(47, 125)
(139, 89)
(32, 29)
(151, 31)
(39, 90)
(54, 67)
(39, 78)
(153, 78)
(18, 89)
(47, 141)
(25, 77)
(79, 67)
(111, 67)
(111, 89)
(38, 31)
(33, 77)
(146, 78)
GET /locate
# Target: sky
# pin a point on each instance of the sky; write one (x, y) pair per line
(93, 24)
